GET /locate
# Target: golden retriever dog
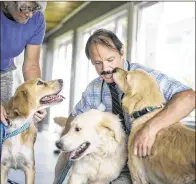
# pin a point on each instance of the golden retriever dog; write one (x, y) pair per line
(97, 147)
(18, 151)
(173, 154)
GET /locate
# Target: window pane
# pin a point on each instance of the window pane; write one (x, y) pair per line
(166, 40)
(62, 70)
(121, 32)
(81, 73)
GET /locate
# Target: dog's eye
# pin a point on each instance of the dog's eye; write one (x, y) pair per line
(40, 83)
(77, 129)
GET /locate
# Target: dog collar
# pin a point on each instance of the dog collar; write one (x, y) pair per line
(16, 132)
(145, 110)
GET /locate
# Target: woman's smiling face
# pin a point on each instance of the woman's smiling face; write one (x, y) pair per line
(21, 11)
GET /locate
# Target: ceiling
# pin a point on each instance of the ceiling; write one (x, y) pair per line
(57, 11)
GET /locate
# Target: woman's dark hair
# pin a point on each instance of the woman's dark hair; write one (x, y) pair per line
(103, 36)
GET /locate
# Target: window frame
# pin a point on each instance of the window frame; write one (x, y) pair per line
(61, 41)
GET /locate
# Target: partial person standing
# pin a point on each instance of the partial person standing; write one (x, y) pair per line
(22, 28)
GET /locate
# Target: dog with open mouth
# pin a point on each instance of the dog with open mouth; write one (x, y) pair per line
(97, 147)
(18, 151)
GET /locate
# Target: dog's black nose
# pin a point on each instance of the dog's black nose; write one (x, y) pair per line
(59, 145)
(60, 81)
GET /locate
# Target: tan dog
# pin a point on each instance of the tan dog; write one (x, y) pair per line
(18, 151)
(96, 145)
(173, 153)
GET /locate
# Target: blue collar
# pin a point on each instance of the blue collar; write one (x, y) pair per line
(16, 132)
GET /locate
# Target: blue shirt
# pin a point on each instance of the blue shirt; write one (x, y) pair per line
(15, 36)
(91, 97)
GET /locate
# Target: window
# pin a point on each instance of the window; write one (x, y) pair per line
(116, 23)
(166, 40)
(62, 70)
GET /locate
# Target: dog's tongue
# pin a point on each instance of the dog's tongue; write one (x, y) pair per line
(71, 154)
(52, 98)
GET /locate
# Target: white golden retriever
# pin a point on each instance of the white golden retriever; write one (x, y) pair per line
(97, 146)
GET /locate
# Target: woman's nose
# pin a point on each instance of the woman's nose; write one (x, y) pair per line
(29, 14)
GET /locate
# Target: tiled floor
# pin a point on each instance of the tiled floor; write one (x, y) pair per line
(45, 160)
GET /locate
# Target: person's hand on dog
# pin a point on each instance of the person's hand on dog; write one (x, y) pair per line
(39, 115)
(143, 141)
(3, 115)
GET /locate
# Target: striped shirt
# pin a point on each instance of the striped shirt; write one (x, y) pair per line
(91, 97)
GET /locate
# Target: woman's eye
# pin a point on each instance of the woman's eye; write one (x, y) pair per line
(40, 83)
(77, 129)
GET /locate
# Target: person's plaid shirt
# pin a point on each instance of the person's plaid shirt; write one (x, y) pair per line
(91, 97)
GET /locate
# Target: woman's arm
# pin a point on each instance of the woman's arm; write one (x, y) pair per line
(31, 67)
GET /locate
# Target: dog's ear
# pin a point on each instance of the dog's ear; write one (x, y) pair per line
(61, 121)
(112, 128)
(20, 103)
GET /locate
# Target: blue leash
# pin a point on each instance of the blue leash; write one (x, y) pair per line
(17, 131)
(14, 133)
(64, 173)
(20, 130)
(4, 137)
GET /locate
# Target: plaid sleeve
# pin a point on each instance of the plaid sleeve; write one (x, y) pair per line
(168, 86)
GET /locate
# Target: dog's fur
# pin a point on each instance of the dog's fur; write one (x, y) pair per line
(173, 153)
(61, 121)
(18, 151)
(104, 159)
